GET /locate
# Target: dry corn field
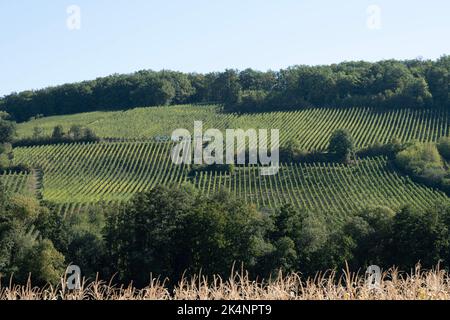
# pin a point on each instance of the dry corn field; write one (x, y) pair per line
(394, 285)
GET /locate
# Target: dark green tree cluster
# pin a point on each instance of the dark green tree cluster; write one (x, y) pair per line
(380, 236)
(171, 231)
(25, 245)
(341, 145)
(7, 132)
(385, 84)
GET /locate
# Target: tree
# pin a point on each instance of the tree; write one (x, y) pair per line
(341, 145)
(6, 155)
(444, 147)
(4, 115)
(290, 151)
(419, 235)
(44, 263)
(58, 132)
(153, 90)
(23, 247)
(83, 234)
(7, 133)
(227, 87)
(170, 230)
(76, 132)
(37, 132)
(89, 134)
(384, 84)
(424, 161)
(298, 239)
(254, 80)
(7, 130)
(371, 232)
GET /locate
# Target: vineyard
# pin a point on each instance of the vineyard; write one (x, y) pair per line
(311, 127)
(21, 183)
(76, 175)
(131, 161)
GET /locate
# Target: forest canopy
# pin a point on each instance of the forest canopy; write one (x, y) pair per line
(385, 84)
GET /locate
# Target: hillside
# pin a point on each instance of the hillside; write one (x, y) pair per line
(84, 173)
(75, 175)
(311, 127)
(168, 150)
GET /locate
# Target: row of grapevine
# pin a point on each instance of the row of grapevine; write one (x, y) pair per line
(312, 127)
(114, 172)
(14, 182)
(324, 187)
(94, 172)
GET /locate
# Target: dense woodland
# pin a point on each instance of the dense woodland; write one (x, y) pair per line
(385, 84)
(158, 232)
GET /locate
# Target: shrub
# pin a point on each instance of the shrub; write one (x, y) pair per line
(423, 161)
(419, 156)
(222, 168)
(291, 151)
(444, 147)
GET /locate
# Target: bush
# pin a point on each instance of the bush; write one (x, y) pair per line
(444, 147)
(418, 157)
(389, 150)
(6, 156)
(222, 168)
(44, 263)
(251, 101)
(7, 130)
(58, 132)
(424, 162)
(291, 151)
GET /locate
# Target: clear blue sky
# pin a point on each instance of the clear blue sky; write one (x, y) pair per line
(37, 49)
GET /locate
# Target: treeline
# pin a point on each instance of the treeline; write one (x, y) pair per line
(173, 230)
(7, 132)
(384, 84)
